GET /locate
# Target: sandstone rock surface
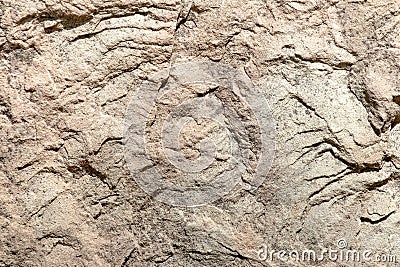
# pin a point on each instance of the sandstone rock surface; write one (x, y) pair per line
(329, 70)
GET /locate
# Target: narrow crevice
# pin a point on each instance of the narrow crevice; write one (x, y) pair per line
(371, 221)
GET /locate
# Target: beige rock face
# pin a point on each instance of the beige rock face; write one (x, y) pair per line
(329, 71)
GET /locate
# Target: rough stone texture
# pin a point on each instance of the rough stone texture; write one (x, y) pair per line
(330, 70)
